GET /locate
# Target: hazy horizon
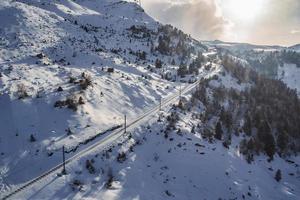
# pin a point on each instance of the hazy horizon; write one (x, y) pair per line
(260, 22)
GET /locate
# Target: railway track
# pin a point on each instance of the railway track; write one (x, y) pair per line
(113, 136)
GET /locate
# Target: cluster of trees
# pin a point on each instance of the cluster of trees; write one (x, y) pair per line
(291, 57)
(271, 118)
(167, 35)
(267, 63)
(267, 114)
(140, 32)
(238, 70)
(196, 64)
(193, 68)
(141, 55)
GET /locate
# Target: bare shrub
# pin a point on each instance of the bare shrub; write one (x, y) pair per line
(76, 185)
(22, 91)
(121, 157)
(110, 179)
(86, 81)
(71, 102)
(89, 166)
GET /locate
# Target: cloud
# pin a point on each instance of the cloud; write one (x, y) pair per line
(295, 31)
(274, 27)
(278, 22)
(200, 18)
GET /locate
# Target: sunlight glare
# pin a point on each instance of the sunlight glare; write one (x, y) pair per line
(244, 10)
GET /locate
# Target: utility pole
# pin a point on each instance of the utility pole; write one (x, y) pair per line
(179, 91)
(64, 161)
(125, 124)
(160, 104)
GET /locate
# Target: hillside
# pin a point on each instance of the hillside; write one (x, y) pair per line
(178, 155)
(295, 47)
(71, 70)
(272, 61)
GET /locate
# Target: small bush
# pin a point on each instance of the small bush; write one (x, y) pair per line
(22, 91)
(81, 101)
(72, 79)
(219, 131)
(76, 185)
(89, 166)
(110, 179)
(158, 63)
(71, 102)
(32, 138)
(59, 104)
(86, 81)
(121, 157)
(110, 70)
(278, 175)
(60, 89)
(69, 131)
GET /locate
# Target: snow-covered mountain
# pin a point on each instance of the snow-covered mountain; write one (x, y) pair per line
(71, 69)
(273, 61)
(241, 47)
(295, 47)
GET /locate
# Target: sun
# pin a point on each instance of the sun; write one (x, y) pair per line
(244, 10)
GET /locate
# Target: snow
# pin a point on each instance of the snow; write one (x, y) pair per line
(56, 29)
(295, 48)
(75, 37)
(225, 79)
(290, 74)
(186, 171)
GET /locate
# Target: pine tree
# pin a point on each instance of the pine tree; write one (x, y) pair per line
(247, 126)
(182, 70)
(158, 63)
(81, 101)
(278, 175)
(173, 62)
(32, 138)
(282, 141)
(219, 131)
(265, 136)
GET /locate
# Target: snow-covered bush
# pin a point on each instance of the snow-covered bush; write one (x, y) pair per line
(278, 175)
(89, 166)
(121, 157)
(86, 81)
(22, 91)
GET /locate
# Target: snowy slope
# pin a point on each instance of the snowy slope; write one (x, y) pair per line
(241, 47)
(290, 74)
(181, 166)
(295, 47)
(47, 49)
(273, 61)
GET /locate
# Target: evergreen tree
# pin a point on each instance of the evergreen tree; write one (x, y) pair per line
(278, 175)
(158, 63)
(219, 131)
(182, 70)
(247, 126)
(282, 141)
(32, 138)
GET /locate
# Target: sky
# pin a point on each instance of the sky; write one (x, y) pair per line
(267, 22)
